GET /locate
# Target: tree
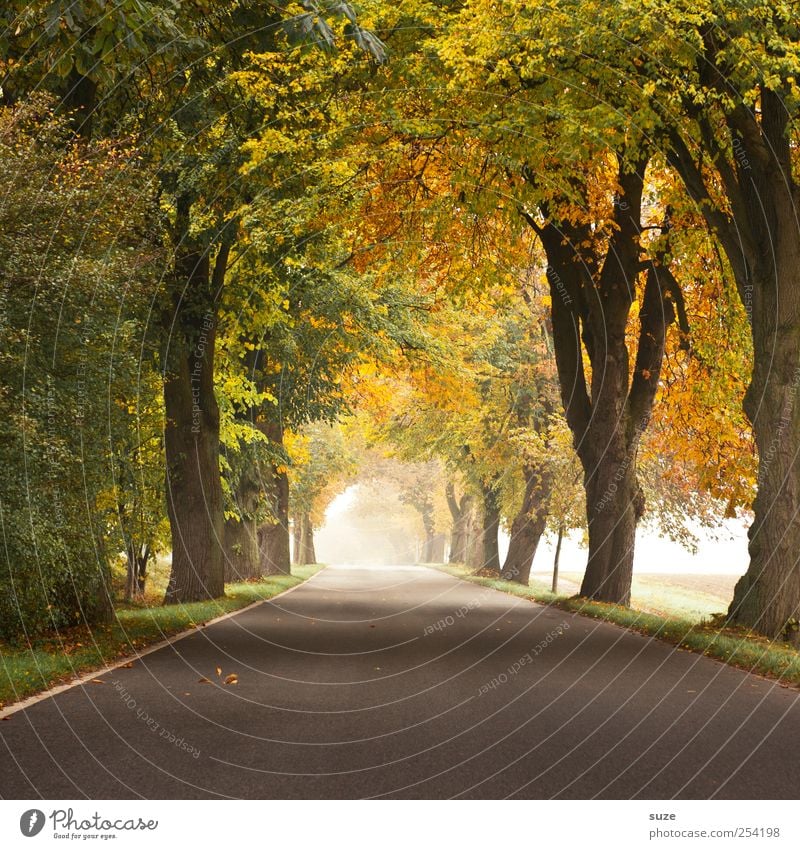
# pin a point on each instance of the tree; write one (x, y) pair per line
(321, 465)
(713, 86)
(586, 198)
(175, 87)
(75, 282)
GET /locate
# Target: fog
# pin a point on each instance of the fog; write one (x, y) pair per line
(374, 528)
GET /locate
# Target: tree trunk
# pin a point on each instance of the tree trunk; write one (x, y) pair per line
(460, 512)
(757, 227)
(131, 570)
(528, 526)
(273, 537)
(614, 505)
(767, 597)
(491, 529)
(191, 437)
(80, 98)
(437, 549)
(427, 546)
(458, 540)
(137, 557)
(306, 555)
(474, 545)
(141, 569)
(297, 531)
(309, 545)
(242, 562)
(425, 509)
(557, 558)
(592, 287)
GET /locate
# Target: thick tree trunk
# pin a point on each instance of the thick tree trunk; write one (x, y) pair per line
(306, 554)
(80, 98)
(191, 438)
(614, 505)
(491, 529)
(273, 537)
(274, 548)
(460, 511)
(474, 548)
(458, 540)
(528, 526)
(767, 597)
(242, 562)
(308, 543)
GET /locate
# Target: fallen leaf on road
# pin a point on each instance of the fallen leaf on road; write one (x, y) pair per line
(233, 678)
(187, 694)
(127, 665)
(203, 681)
(371, 626)
(97, 681)
(219, 672)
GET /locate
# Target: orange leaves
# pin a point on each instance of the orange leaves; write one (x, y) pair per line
(229, 680)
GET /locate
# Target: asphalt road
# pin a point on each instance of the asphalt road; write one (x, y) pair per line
(409, 683)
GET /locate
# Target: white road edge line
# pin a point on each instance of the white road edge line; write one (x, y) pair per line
(104, 670)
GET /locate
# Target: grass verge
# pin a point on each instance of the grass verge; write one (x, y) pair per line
(731, 645)
(57, 659)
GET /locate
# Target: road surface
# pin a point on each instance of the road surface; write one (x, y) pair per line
(408, 683)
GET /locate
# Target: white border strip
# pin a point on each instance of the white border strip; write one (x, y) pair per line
(104, 670)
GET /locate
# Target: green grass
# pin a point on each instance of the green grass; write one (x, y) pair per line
(730, 645)
(54, 660)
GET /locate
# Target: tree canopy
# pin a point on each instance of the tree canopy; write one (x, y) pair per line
(543, 254)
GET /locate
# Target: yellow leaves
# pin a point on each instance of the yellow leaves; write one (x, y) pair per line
(229, 680)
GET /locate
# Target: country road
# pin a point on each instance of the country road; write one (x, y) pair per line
(408, 683)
